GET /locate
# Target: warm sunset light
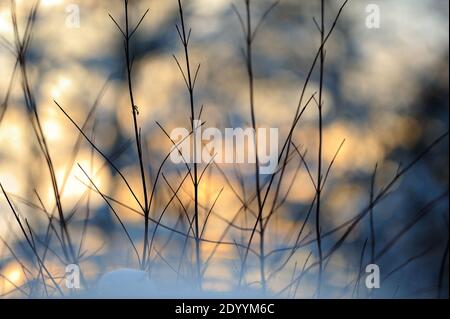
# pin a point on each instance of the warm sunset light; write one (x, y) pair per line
(224, 149)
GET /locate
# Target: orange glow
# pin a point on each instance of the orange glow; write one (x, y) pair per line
(13, 277)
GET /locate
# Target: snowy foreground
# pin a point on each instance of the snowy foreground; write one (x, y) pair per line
(131, 283)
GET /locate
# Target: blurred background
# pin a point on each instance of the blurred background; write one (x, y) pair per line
(386, 94)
